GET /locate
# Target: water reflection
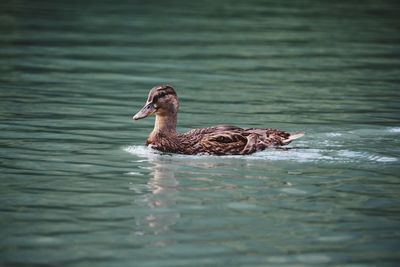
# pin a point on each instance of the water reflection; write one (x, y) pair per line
(157, 200)
(157, 205)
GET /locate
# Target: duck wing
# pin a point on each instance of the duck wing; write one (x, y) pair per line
(216, 140)
(232, 140)
(224, 142)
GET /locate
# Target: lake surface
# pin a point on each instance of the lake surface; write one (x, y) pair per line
(79, 188)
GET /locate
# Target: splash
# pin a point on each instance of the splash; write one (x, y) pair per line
(292, 154)
(394, 130)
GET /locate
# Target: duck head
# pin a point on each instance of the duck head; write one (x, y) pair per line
(161, 101)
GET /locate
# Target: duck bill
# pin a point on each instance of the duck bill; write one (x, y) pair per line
(147, 110)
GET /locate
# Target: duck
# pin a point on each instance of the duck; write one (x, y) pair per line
(162, 101)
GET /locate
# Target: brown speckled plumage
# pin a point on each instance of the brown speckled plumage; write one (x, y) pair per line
(218, 140)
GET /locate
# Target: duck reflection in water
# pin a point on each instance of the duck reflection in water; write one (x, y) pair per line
(158, 207)
(159, 212)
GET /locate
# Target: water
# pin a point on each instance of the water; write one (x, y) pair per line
(78, 188)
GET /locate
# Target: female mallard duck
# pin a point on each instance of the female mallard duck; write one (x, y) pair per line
(218, 140)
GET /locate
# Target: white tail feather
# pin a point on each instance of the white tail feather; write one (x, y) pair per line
(292, 137)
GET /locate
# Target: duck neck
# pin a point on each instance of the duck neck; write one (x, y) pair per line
(165, 124)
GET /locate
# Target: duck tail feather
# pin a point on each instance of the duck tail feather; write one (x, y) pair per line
(292, 137)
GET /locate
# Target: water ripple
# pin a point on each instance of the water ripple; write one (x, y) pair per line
(318, 148)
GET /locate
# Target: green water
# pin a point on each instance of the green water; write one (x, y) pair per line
(79, 188)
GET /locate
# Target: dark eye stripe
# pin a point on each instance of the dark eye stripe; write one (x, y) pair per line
(156, 97)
